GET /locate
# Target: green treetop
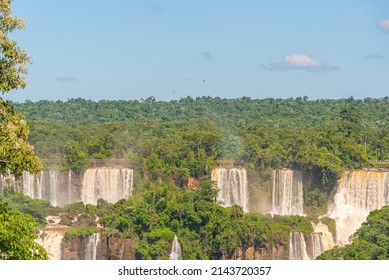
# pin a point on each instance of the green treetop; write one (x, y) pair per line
(17, 237)
(13, 60)
(16, 154)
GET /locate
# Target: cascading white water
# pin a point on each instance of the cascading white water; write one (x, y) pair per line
(358, 193)
(51, 237)
(7, 181)
(91, 248)
(175, 253)
(54, 185)
(43, 185)
(297, 246)
(70, 186)
(111, 184)
(327, 239)
(52, 244)
(317, 244)
(121, 252)
(287, 192)
(232, 185)
(33, 185)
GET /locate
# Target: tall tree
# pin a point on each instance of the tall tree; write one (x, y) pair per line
(351, 120)
(16, 154)
(17, 237)
(13, 60)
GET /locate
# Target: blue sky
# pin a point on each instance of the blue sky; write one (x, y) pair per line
(171, 49)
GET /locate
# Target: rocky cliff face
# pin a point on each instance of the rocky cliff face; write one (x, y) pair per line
(276, 253)
(107, 248)
(115, 248)
(74, 248)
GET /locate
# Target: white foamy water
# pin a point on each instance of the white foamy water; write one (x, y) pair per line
(91, 248)
(326, 235)
(232, 185)
(175, 253)
(51, 241)
(54, 186)
(358, 193)
(297, 246)
(111, 184)
(7, 181)
(44, 185)
(287, 192)
(33, 185)
(69, 186)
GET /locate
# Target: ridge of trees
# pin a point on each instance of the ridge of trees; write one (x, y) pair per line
(281, 113)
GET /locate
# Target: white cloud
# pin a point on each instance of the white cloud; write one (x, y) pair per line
(300, 62)
(187, 79)
(373, 56)
(207, 55)
(66, 79)
(155, 8)
(384, 25)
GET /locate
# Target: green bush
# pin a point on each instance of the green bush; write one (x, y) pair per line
(80, 232)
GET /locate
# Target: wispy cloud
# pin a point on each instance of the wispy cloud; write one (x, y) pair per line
(300, 62)
(373, 56)
(66, 79)
(187, 79)
(206, 55)
(155, 8)
(384, 25)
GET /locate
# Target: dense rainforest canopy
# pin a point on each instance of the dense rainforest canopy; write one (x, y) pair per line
(180, 139)
(167, 147)
(283, 113)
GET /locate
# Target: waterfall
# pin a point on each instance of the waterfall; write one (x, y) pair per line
(297, 246)
(111, 184)
(358, 193)
(51, 237)
(7, 181)
(322, 239)
(44, 185)
(70, 186)
(175, 253)
(91, 248)
(287, 192)
(51, 241)
(121, 252)
(232, 185)
(317, 244)
(33, 185)
(326, 236)
(54, 184)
